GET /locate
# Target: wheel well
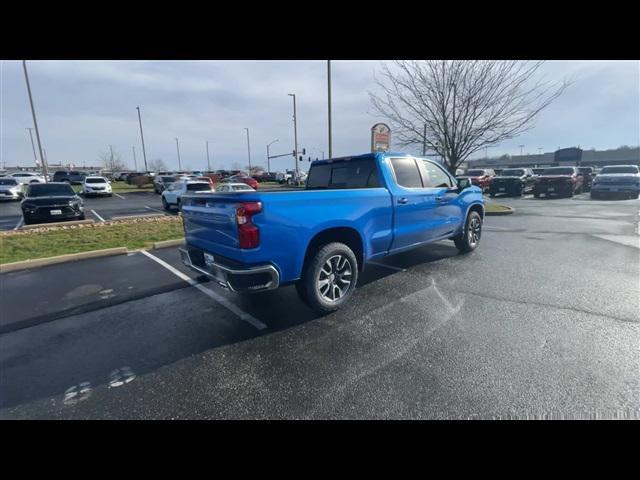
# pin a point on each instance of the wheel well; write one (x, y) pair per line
(346, 235)
(477, 208)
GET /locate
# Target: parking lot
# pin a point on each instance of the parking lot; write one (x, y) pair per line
(541, 321)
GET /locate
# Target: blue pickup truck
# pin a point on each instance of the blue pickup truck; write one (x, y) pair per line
(352, 210)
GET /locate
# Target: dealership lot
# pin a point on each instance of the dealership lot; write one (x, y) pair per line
(541, 321)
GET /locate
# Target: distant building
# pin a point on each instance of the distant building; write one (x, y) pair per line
(566, 156)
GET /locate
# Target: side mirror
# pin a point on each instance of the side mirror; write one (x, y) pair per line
(463, 183)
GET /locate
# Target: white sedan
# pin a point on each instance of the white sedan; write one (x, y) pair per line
(96, 186)
(25, 178)
(172, 195)
(234, 187)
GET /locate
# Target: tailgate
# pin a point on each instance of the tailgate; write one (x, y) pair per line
(210, 222)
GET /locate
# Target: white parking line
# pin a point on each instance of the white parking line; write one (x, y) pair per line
(213, 295)
(96, 214)
(118, 195)
(19, 223)
(397, 269)
(155, 209)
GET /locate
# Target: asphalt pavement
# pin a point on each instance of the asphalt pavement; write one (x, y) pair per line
(541, 321)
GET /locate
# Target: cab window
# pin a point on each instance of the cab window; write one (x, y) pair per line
(434, 177)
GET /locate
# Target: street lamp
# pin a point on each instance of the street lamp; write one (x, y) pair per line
(248, 149)
(208, 161)
(295, 132)
(268, 164)
(35, 123)
(178, 150)
(521, 147)
(329, 104)
(144, 151)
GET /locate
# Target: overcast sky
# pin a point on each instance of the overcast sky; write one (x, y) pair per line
(83, 106)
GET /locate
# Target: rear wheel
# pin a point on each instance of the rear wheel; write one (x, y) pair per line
(469, 238)
(329, 278)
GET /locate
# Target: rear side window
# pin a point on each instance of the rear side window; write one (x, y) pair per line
(407, 172)
(361, 173)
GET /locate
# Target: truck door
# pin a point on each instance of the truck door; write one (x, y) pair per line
(415, 207)
(446, 213)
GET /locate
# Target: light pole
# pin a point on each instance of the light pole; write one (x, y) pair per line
(135, 164)
(268, 162)
(329, 101)
(208, 161)
(295, 132)
(35, 123)
(248, 150)
(144, 152)
(424, 140)
(521, 147)
(35, 157)
(178, 150)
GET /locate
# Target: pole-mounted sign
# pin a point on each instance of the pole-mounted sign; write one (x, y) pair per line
(380, 137)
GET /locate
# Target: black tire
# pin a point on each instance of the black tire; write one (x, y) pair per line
(536, 195)
(519, 191)
(340, 260)
(179, 205)
(82, 217)
(635, 196)
(111, 194)
(165, 205)
(469, 239)
(26, 220)
(491, 194)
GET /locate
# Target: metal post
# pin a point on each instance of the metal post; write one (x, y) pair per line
(35, 122)
(329, 100)
(295, 132)
(135, 164)
(208, 161)
(178, 150)
(33, 146)
(268, 159)
(144, 152)
(248, 150)
(111, 159)
(424, 141)
(521, 147)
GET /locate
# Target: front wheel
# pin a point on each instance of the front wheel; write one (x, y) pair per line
(329, 278)
(165, 205)
(469, 238)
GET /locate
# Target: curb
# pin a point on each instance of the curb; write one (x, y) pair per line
(497, 214)
(56, 224)
(146, 215)
(168, 243)
(42, 262)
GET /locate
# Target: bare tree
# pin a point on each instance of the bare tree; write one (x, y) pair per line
(157, 165)
(112, 160)
(461, 105)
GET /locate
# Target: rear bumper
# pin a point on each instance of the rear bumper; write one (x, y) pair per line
(237, 278)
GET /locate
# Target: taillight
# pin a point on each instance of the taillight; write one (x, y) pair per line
(248, 233)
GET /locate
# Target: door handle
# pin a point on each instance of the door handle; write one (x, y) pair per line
(441, 199)
(403, 200)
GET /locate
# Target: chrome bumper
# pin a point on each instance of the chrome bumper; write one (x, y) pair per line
(236, 279)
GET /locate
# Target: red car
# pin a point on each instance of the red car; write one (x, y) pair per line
(480, 177)
(252, 182)
(564, 181)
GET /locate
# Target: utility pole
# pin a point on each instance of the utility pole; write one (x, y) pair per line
(329, 100)
(268, 158)
(144, 152)
(208, 161)
(295, 132)
(111, 159)
(135, 164)
(424, 141)
(178, 150)
(248, 150)
(35, 157)
(35, 123)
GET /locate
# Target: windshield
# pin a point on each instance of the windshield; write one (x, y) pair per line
(518, 172)
(168, 179)
(558, 171)
(96, 180)
(8, 181)
(628, 169)
(474, 173)
(49, 189)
